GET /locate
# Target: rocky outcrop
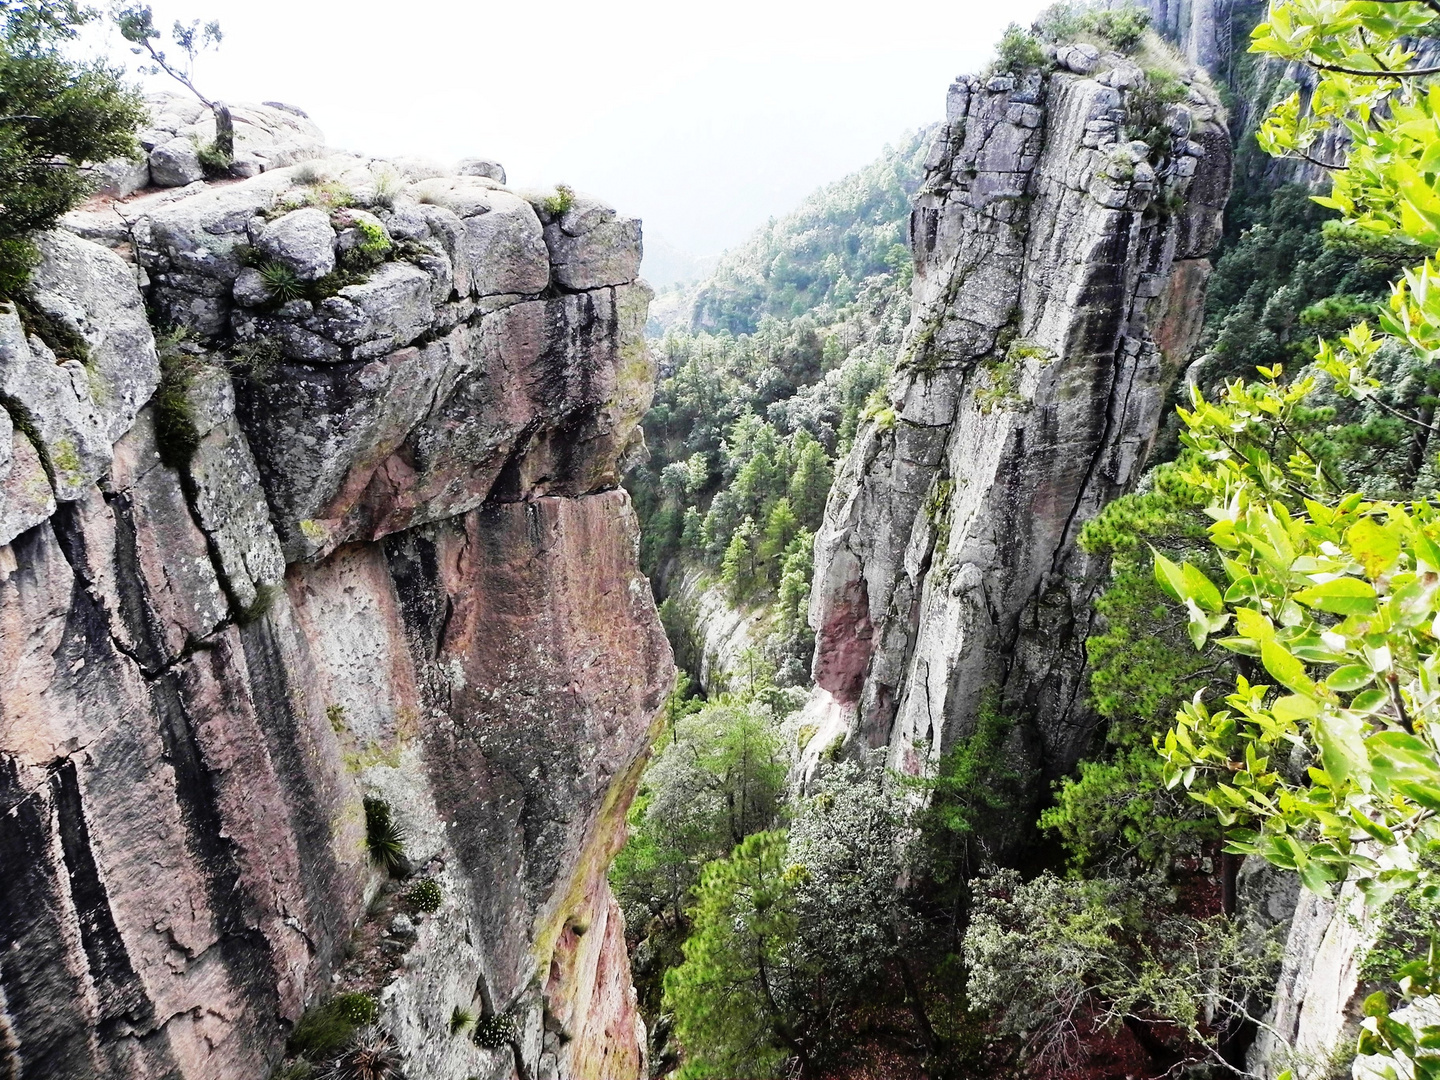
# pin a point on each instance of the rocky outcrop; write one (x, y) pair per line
(353, 531)
(717, 634)
(1054, 251)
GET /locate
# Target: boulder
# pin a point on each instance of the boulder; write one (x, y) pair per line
(122, 176)
(301, 240)
(25, 496)
(176, 163)
(90, 291)
(50, 400)
(591, 246)
(481, 167)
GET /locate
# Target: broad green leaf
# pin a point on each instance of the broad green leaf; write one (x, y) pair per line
(1350, 677)
(1295, 707)
(1376, 546)
(1199, 588)
(1287, 670)
(1342, 744)
(1253, 625)
(1169, 577)
(1342, 596)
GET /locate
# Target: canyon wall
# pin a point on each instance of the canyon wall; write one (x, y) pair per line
(353, 530)
(1060, 276)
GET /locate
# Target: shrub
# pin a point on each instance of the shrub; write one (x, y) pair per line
(1119, 28)
(1017, 54)
(359, 1009)
(175, 429)
(215, 160)
(383, 838)
(560, 202)
(425, 895)
(493, 1032)
(321, 1032)
(460, 1019)
(60, 114)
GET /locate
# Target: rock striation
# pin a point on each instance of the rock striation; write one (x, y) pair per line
(1059, 243)
(352, 531)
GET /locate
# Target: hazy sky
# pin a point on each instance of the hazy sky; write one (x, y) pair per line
(703, 119)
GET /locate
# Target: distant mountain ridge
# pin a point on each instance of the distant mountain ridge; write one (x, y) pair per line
(818, 254)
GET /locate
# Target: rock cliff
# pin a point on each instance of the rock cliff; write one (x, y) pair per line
(1059, 243)
(352, 531)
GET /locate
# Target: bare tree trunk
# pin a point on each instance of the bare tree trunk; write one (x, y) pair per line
(224, 130)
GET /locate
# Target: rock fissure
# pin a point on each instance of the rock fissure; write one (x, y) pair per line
(395, 565)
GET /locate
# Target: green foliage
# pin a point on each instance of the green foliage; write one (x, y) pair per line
(215, 160)
(58, 115)
(181, 362)
(358, 1009)
(560, 202)
(322, 1031)
(717, 776)
(1018, 53)
(372, 248)
(1055, 960)
(1119, 28)
(723, 995)
(383, 838)
(975, 799)
(841, 251)
(425, 895)
(495, 1031)
(1330, 591)
(460, 1020)
(281, 283)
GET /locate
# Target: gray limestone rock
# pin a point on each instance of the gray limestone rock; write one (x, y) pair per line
(481, 167)
(590, 246)
(1028, 393)
(50, 401)
(25, 496)
(301, 240)
(91, 292)
(175, 163)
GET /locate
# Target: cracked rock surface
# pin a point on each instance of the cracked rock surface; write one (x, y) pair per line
(358, 534)
(1060, 273)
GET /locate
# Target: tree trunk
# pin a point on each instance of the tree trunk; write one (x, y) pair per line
(224, 130)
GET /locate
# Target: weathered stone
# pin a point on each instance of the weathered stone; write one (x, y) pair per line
(250, 289)
(504, 245)
(481, 167)
(1034, 258)
(175, 164)
(122, 176)
(301, 240)
(25, 496)
(188, 726)
(591, 246)
(50, 401)
(91, 292)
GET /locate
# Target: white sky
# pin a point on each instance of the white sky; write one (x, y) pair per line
(702, 119)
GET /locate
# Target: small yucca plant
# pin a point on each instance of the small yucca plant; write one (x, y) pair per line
(371, 1055)
(281, 282)
(383, 837)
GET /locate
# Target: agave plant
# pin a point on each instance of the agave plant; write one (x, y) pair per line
(371, 1055)
(383, 837)
(281, 282)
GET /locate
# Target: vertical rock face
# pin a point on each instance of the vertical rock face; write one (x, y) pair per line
(1059, 278)
(356, 533)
